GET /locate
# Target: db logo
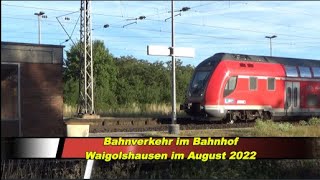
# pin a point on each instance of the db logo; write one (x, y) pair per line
(227, 101)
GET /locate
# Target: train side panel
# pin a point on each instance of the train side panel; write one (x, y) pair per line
(242, 98)
(307, 96)
(310, 94)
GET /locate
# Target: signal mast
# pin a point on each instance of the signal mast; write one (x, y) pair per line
(86, 89)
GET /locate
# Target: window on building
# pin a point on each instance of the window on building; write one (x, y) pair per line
(305, 72)
(271, 84)
(253, 83)
(316, 71)
(230, 86)
(291, 71)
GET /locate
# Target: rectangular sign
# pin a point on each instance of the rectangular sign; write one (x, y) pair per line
(184, 52)
(158, 50)
(166, 51)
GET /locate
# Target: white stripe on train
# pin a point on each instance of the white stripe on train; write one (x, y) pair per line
(280, 78)
(222, 108)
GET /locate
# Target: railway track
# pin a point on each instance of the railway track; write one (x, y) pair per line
(141, 124)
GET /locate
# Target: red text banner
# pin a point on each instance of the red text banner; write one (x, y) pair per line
(221, 148)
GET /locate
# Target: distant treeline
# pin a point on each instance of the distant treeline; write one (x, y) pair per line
(125, 80)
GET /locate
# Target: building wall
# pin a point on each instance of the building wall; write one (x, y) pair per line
(41, 90)
(41, 99)
(31, 53)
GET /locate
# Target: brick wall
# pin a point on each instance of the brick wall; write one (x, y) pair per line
(42, 100)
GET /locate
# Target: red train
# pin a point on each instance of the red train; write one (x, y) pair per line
(246, 87)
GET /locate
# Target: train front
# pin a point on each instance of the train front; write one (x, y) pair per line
(195, 97)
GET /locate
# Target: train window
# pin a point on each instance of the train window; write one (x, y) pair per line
(295, 97)
(291, 71)
(230, 86)
(253, 83)
(271, 84)
(288, 98)
(199, 81)
(313, 100)
(316, 71)
(305, 72)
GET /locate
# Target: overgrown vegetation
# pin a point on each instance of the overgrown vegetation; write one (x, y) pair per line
(132, 110)
(40, 169)
(184, 169)
(271, 128)
(262, 128)
(125, 82)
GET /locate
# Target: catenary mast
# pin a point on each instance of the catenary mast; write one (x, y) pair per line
(86, 94)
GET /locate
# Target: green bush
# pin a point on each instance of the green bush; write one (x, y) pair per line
(284, 127)
(314, 121)
(303, 123)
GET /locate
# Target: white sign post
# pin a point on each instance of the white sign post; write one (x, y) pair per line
(174, 52)
(166, 51)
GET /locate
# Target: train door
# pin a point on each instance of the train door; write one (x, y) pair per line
(292, 98)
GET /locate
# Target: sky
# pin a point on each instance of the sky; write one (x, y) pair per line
(208, 26)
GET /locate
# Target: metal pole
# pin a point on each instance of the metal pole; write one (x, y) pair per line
(92, 111)
(270, 39)
(270, 48)
(39, 30)
(85, 57)
(174, 118)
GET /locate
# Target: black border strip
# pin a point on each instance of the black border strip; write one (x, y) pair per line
(60, 148)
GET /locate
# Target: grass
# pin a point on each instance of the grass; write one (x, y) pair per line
(132, 110)
(36, 169)
(285, 129)
(261, 169)
(205, 132)
(310, 128)
(184, 169)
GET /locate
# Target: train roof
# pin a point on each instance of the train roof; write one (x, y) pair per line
(215, 59)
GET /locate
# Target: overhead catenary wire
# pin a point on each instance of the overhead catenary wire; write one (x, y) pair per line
(219, 27)
(190, 35)
(70, 36)
(187, 42)
(185, 34)
(193, 24)
(109, 15)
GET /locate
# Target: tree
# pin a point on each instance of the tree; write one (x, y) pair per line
(124, 80)
(104, 72)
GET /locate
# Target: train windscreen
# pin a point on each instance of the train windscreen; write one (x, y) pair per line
(198, 83)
